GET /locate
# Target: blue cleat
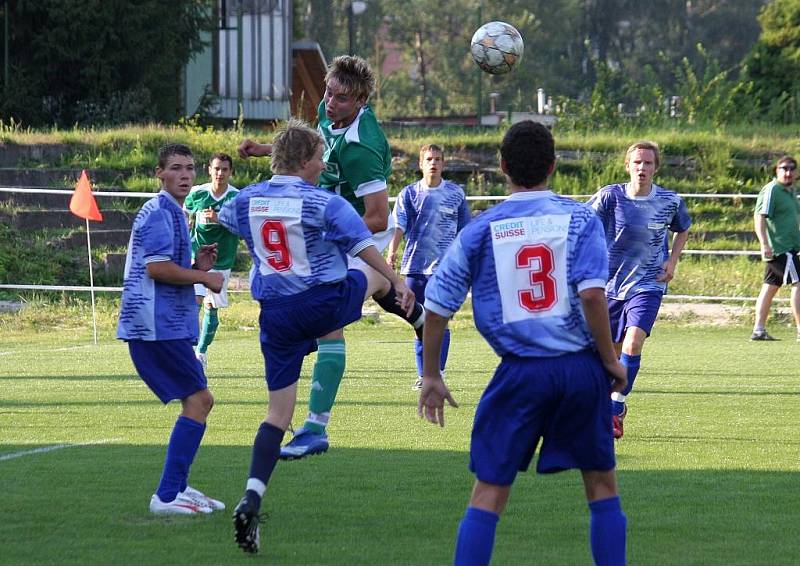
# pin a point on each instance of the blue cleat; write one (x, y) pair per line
(305, 443)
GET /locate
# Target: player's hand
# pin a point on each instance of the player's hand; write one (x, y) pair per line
(432, 396)
(214, 281)
(250, 148)
(667, 272)
(392, 260)
(206, 257)
(405, 296)
(618, 374)
(766, 251)
(210, 216)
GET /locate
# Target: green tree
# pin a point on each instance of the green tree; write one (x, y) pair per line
(100, 61)
(773, 64)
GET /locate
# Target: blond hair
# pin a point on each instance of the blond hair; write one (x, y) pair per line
(354, 74)
(295, 143)
(651, 145)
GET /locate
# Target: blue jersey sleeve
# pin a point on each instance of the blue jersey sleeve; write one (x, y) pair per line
(157, 235)
(590, 264)
(344, 227)
(464, 214)
(228, 217)
(681, 221)
(447, 289)
(400, 211)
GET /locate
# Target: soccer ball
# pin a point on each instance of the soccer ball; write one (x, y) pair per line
(496, 47)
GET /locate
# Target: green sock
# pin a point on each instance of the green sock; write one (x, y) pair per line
(210, 324)
(328, 373)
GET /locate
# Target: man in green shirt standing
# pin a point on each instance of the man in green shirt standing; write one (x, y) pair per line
(358, 164)
(776, 225)
(202, 206)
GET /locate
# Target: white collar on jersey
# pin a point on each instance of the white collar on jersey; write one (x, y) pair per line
(530, 195)
(424, 186)
(285, 179)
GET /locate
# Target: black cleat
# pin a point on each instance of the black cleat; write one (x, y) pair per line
(245, 524)
(761, 336)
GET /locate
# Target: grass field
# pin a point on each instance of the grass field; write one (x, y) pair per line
(708, 466)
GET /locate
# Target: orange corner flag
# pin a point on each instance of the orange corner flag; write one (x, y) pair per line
(82, 202)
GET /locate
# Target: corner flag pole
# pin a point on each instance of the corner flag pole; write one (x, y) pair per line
(91, 282)
(83, 205)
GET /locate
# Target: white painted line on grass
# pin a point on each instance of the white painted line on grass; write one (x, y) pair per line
(45, 449)
(65, 349)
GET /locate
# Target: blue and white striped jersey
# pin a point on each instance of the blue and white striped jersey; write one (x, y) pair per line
(152, 310)
(430, 218)
(637, 236)
(526, 260)
(298, 235)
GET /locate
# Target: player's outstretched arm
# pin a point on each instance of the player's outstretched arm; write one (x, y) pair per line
(397, 237)
(669, 266)
(250, 148)
(172, 273)
(595, 310)
(434, 392)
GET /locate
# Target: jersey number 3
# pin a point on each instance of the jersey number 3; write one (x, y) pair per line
(273, 234)
(543, 294)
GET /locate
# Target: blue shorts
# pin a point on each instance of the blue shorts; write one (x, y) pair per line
(290, 327)
(168, 367)
(639, 310)
(564, 401)
(417, 284)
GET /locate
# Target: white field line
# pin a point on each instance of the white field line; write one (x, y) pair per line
(45, 449)
(79, 347)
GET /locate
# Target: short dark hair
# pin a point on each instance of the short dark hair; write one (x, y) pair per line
(295, 142)
(354, 74)
(529, 152)
(171, 149)
(785, 159)
(221, 157)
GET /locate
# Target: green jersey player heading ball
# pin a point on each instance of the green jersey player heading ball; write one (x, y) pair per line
(357, 167)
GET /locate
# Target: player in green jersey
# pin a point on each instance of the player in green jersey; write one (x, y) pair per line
(358, 164)
(202, 206)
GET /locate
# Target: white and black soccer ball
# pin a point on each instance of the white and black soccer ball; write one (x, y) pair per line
(496, 47)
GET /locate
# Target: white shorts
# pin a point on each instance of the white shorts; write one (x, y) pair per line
(215, 300)
(382, 240)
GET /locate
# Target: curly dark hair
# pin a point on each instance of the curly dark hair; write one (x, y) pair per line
(528, 151)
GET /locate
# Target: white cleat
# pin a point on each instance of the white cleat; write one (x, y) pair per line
(179, 506)
(202, 498)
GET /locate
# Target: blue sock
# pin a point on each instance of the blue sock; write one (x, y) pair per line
(443, 356)
(607, 528)
(631, 363)
(266, 449)
(418, 354)
(445, 349)
(183, 444)
(475, 538)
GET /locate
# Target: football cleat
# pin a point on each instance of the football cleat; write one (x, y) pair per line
(201, 498)
(761, 336)
(179, 506)
(417, 384)
(616, 423)
(203, 359)
(245, 524)
(305, 443)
